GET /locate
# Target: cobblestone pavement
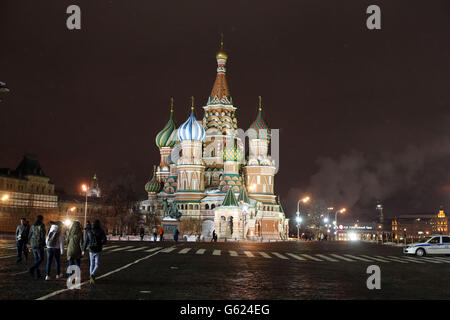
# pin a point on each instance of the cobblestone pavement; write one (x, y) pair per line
(237, 270)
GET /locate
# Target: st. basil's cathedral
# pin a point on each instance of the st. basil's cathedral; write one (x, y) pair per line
(204, 173)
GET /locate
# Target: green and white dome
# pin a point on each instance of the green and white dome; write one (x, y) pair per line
(166, 138)
(153, 186)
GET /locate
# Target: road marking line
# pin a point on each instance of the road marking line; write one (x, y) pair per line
(432, 260)
(109, 247)
(233, 253)
(99, 277)
(167, 250)
(123, 248)
(279, 255)
(393, 259)
(296, 256)
(409, 259)
(341, 257)
(137, 249)
(200, 251)
(376, 259)
(153, 249)
(358, 258)
(216, 253)
(310, 257)
(249, 254)
(265, 255)
(184, 251)
(326, 258)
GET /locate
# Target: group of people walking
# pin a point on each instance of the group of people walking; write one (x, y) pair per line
(53, 243)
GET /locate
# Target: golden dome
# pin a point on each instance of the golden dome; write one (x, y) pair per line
(221, 53)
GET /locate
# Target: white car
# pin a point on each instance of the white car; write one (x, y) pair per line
(435, 244)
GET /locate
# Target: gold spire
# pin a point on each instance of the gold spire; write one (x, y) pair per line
(221, 53)
(171, 106)
(192, 104)
(259, 103)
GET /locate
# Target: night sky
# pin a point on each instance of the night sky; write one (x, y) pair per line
(364, 115)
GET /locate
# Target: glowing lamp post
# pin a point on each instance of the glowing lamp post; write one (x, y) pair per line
(299, 219)
(85, 189)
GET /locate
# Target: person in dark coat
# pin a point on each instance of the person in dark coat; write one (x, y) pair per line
(22, 239)
(175, 235)
(95, 239)
(37, 243)
(142, 233)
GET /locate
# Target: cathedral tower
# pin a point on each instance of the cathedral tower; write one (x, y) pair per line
(190, 168)
(165, 141)
(260, 168)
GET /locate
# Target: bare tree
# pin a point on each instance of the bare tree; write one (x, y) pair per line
(121, 196)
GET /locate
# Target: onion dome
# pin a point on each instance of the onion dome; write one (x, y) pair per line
(153, 186)
(166, 137)
(259, 129)
(191, 129)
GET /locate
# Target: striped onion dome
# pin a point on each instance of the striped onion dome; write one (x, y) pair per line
(259, 129)
(153, 186)
(166, 137)
(191, 129)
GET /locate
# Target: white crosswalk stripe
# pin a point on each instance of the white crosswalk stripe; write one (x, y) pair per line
(249, 254)
(167, 250)
(137, 249)
(442, 259)
(265, 255)
(393, 259)
(200, 251)
(310, 257)
(216, 253)
(296, 256)
(432, 260)
(122, 248)
(109, 247)
(153, 249)
(184, 251)
(279, 255)
(233, 253)
(358, 258)
(326, 258)
(376, 259)
(408, 259)
(341, 257)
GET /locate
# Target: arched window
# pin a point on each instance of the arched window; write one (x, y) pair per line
(207, 206)
(213, 206)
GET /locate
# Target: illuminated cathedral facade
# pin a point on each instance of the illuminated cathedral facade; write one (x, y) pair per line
(206, 175)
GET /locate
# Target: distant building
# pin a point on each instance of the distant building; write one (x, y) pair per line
(25, 192)
(417, 225)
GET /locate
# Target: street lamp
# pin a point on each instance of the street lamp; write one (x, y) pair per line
(299, 219)
(85, 189)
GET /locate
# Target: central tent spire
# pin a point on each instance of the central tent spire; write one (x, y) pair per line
(220, 92)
